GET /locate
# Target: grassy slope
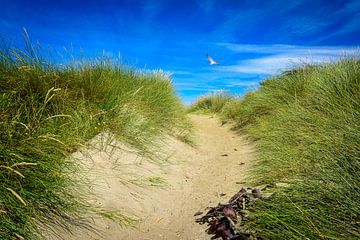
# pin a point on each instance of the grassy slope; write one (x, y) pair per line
(307, 129)
(47, 112)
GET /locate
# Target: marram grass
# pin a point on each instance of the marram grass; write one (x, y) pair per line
(48, 111)
(212, 103)
(306, 126)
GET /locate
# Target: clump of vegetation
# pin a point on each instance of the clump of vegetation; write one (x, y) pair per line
(212, 103)
(48, 111)
(306, 126)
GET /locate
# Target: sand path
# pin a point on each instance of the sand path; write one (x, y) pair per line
(192, 179)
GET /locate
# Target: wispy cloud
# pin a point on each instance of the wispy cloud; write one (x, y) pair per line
(243, 84)
(241, 17)
(283, 48)
(180, 72)
(352, 25)
(304, 25)
(347, 19)
(265, 65)
(276, 58)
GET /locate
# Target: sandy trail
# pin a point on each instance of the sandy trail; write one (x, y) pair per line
(195, 178)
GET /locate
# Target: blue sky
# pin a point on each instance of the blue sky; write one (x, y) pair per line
(251, 40)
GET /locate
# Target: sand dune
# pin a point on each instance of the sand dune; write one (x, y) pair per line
(165, 196)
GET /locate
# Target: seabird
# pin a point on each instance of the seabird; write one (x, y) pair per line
(212, 62)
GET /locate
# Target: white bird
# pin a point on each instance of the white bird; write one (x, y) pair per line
(212, 62)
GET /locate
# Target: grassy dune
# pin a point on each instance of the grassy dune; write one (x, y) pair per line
(306, 125)
(48, 111)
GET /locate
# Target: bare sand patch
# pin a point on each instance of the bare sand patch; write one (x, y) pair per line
(165, 196)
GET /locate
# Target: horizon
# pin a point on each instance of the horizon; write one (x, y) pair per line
(250, 43)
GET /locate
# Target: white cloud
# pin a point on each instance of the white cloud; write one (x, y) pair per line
(352, 25)
(350, 14)
(240, 21)
(283, 48)
(241, 83)
(281, 57)
(180, 72)
(304, 25)
(267, 65)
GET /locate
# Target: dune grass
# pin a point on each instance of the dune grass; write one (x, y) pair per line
(48, 111)
(306, 126)
(212, 103)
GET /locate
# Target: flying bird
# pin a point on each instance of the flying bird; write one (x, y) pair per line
(212, 62)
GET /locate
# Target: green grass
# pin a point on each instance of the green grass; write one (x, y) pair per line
(306, 126)
(156, 181)
(48, 111)
(212, 103)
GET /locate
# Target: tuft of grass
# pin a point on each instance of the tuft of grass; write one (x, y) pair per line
(306, 126)
(48, 111)
(212, 103)
(156, 181)
(117, 217)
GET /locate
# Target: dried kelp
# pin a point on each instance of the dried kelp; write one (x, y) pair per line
(226, 220)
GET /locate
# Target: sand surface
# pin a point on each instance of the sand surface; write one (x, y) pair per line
(165, 197)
